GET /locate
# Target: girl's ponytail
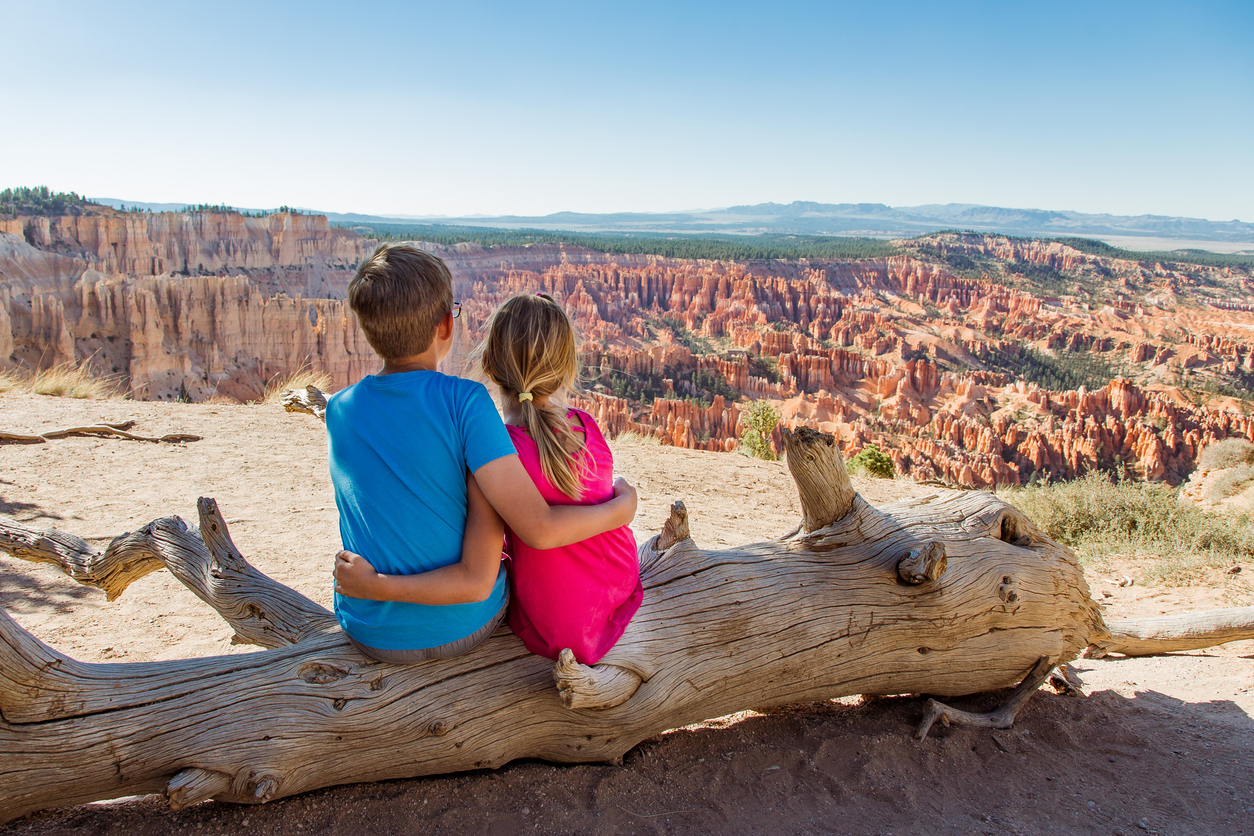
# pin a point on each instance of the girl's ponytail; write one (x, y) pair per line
(530, 353)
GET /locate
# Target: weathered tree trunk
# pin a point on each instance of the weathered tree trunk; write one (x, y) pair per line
(949, 594)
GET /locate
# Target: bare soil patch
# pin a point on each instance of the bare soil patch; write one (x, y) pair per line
(1166, 742)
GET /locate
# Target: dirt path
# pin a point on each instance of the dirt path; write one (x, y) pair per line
(1167, 742)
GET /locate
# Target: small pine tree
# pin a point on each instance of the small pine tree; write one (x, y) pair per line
(871, 462)
(760, 420)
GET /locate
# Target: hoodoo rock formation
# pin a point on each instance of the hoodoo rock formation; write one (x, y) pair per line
(975, 360)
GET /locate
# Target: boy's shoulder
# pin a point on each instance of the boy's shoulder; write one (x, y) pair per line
(460, 389)
(425, 386)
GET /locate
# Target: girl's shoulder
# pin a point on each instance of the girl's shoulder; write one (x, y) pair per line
(585, 421)
(580, 421)
(594, 437)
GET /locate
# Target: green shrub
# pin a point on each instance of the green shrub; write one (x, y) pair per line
(870, 461)
(760, 420)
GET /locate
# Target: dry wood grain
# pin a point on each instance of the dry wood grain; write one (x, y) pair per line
(309, 400)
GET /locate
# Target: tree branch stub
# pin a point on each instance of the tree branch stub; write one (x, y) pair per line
(674, 529)
(310, 401)
(1175, 633)
(823, 483)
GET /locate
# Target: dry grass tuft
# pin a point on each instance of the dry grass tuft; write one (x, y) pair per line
(1178, 543)
(64, 381)
(11, 381)
(1229, 482)
(1231, 452)
(299, 379)
(633, 437)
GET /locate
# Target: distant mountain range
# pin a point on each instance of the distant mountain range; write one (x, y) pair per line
(863, 219)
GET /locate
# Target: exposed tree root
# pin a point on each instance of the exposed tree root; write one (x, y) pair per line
(1002, 718)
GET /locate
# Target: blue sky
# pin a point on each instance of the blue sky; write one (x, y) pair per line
(529, 108)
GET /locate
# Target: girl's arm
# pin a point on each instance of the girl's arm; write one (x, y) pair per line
(515, 497)
(468, 581)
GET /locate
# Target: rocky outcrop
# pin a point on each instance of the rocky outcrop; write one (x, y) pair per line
(191, 338)
(113, 290)
(281, 252)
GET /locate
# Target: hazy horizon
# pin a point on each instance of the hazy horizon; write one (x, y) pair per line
(1151, 237)
(173, 204)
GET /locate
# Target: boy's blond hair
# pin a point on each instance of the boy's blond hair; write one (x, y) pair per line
(400, 294)
(530, 350)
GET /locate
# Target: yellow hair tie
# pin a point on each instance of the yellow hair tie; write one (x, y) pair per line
(524, 396)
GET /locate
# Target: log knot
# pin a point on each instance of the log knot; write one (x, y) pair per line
(923, 564)
(317, 673)
(262, 786)
(592, 686)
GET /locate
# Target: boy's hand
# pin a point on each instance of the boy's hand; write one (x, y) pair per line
(355, 577)
(623, 488)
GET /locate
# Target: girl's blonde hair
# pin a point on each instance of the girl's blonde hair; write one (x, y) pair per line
(530, 352)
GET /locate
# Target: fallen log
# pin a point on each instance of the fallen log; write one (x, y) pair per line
(101, 429)
(949, 594)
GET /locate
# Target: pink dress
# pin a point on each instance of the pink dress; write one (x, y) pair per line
(580, 596)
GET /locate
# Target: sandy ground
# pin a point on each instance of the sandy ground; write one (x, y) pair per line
(1160, 745)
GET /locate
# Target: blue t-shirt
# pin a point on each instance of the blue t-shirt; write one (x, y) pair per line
(399, 448)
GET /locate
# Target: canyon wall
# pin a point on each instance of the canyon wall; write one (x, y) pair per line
(181, 305)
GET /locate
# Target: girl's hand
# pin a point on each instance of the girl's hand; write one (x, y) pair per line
(354, 576)
(621, 488)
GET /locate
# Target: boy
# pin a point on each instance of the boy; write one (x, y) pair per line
(401, 445)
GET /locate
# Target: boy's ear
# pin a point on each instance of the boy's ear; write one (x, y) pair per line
(444, 331)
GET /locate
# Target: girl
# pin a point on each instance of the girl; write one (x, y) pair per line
(583, 595)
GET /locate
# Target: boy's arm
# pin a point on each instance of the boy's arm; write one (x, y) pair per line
(467, 581)
(516, 498)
